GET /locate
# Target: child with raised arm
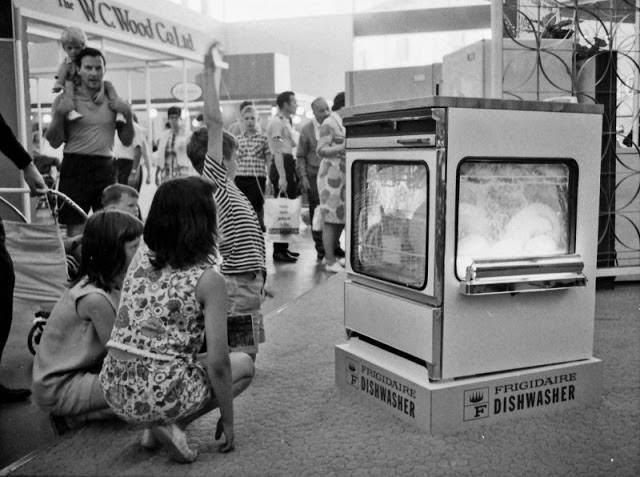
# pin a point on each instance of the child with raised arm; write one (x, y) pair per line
(73, 40)
(153, 374)
(212, 152)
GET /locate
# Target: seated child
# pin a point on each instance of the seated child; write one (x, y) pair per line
(153, 374)
(121, 197)
(73, 40)
(72, 347)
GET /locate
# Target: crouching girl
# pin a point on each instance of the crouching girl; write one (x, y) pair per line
(72, 347)
(171, 296)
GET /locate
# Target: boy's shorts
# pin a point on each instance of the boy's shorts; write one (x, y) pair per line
(245, 292)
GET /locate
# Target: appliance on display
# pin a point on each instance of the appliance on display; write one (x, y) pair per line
(471, 258)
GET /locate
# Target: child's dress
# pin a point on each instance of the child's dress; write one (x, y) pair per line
(160, 322)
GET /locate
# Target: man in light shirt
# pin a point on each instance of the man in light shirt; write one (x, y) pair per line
(87, 165)
(282, 175)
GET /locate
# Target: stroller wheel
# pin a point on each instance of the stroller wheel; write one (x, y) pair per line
(33, 339)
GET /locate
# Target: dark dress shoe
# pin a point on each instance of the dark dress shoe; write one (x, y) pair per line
(283, 257)
(293, 254)
(59, 424)
(13, 395)
(339, 253)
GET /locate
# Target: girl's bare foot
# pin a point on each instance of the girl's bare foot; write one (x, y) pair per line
(175, 440)
(148, 441)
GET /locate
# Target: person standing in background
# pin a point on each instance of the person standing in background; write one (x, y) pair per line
(172, 148)
(11, 147)
(332, 182)
(253, 157)
(128, 158)
(236, 128)
(308, 163)
(282, 173)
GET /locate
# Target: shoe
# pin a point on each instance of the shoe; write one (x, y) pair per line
(293, 254)
(334, 268)
(148, 441)
(175, 440)
(339, 253)
(283, 257)
(73, 115)
(320, 257)
(8, 395)
(59, 424)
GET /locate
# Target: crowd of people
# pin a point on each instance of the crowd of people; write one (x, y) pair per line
(141, 333)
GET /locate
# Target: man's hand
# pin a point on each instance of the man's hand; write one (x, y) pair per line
(34, 180)
(282, 184)
(65, 106)
(119, 106)
(227, 430)
(306, 185)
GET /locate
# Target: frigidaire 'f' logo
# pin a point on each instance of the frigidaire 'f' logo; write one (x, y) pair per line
(352, 375)
(476, 404)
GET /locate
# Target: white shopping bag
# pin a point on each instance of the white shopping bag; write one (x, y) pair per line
(282, 217)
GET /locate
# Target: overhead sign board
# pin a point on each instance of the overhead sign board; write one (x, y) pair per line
(120, 22)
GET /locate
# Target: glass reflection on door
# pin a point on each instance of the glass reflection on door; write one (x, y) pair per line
(512, 210)
(389, 221)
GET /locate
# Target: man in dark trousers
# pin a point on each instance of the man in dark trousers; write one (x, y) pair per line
(308, 162)
(11, 148)
(282, 174)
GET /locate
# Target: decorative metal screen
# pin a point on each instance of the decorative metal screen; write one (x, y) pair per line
(587, 51)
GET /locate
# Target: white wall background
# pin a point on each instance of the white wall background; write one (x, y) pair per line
(320, 49)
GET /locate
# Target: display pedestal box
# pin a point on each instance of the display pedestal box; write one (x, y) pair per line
(402, 388)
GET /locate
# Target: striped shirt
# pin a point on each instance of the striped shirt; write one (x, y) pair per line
(241, 240)
(253, 153)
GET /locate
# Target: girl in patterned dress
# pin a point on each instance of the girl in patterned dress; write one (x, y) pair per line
(171, 295)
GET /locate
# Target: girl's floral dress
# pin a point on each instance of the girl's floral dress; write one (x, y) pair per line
(159, 321)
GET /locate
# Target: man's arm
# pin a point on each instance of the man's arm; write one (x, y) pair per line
(125, 130)
(275, 138)
(301, 159)
(56, 131)
(144, 149)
